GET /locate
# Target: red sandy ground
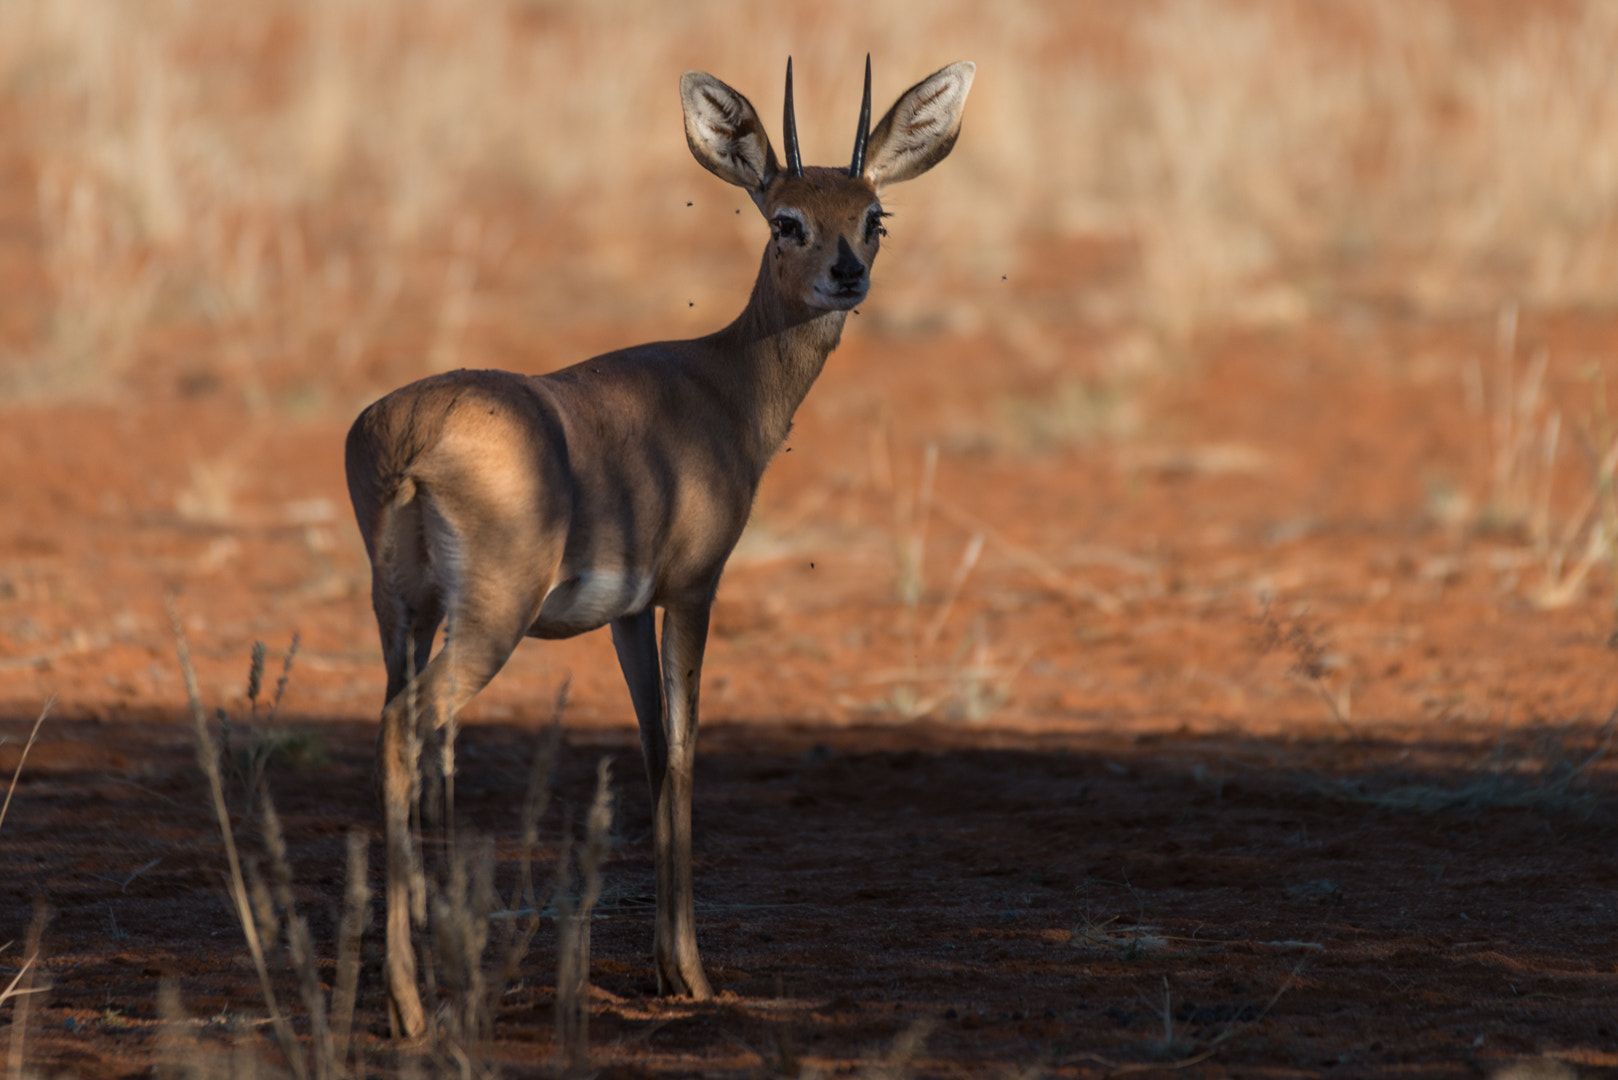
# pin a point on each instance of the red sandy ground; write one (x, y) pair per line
(1162, 810)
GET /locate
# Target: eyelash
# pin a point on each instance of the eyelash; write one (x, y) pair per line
(788, 228)
(873, 225)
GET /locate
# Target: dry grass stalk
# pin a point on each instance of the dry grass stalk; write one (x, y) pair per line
(1171, 1045)
(459, 909)
(1310, 664)
(29, 745)
(300, 946)
(17, 987)
(1563, 583)
(1595, 520)
(975, 685)
(1047, 572)
(356, 909)
(895, 1063)
(1129, 941)
(1209, 1049)
(177, 1056)
(460, 901)
(330, 1041)
(526, 903)
(460, 1030)
(1546, 778)
(227, 729)
(1524, 437)
(911, 514)
(208, 759)
(462, 907)
(413, 755)
(573, 923)
(263, 909)
(183, 1055)
(285, 677)
(446, 761)
(23, 990)
(263, 741)
(963, 570)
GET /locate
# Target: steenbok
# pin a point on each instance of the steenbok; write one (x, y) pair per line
(546, 506)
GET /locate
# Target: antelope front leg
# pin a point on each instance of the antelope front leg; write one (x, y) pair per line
(679, 968)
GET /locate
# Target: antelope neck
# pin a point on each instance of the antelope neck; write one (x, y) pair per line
(767, 360)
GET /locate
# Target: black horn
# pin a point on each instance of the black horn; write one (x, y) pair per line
(790, 122)
(858, 168)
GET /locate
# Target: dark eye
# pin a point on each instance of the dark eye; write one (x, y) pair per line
(788, 227)
(873, 225)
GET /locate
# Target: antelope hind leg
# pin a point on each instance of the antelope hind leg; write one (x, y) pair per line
(450, 680)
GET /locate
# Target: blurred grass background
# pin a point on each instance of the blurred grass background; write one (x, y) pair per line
(303, 203)
(1214, 303)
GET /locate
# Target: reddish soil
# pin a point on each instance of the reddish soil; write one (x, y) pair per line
(1162, 809)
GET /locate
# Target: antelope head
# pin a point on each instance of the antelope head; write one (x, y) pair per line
(825, 223)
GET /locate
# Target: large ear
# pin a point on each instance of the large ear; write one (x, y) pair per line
(725, 133)
(921, 128)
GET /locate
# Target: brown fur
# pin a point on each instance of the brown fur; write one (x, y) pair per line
(505, 505)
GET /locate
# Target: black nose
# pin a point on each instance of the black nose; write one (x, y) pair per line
(847, 269)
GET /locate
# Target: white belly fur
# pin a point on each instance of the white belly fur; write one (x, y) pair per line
(594, 598)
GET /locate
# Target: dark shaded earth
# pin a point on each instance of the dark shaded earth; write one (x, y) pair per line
(1037, 901)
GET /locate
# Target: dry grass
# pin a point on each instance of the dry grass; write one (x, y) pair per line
(21, 988)
(967, 678)
(1545, 474)
(895, 1063)
(16, 774)
(266, 746)
(1173, 1050)
(463, 915)
(1311, 663)
(1545, 775)
(288, 199)
(573, 920)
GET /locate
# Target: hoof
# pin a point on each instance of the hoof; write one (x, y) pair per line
(405, 1017)
(693, 985)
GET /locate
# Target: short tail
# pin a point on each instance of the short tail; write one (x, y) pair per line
(377, 458)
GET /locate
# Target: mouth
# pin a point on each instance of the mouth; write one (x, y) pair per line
(842, 298)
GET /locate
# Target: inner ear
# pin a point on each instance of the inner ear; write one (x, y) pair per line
(726, 135)
(921, 128)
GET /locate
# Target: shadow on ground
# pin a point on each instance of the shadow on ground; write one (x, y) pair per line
(1037, 899)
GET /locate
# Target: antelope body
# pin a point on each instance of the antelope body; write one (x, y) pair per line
(548, 506)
